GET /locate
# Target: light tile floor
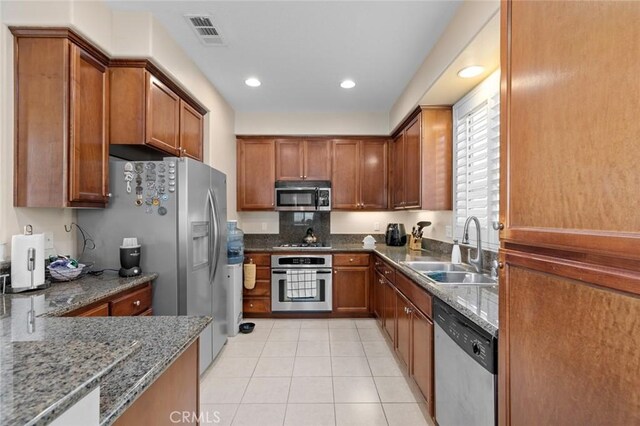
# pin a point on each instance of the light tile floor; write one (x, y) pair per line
(310, 373)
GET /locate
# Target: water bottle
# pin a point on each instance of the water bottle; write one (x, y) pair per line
(235, 243)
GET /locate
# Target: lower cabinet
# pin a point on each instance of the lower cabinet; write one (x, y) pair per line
(404, 309)
(175, 392)
(131, 302)
(422, 356)
(351, 290)
(258, 299)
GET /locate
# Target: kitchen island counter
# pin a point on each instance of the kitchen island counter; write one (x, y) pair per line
(50, 364)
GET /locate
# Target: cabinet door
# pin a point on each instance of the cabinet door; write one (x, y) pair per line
(317, 160)
(397, 172)
(88, 140)
(436, 158)
(345, 183)
(163, 116)
(191, 132)
(351, 290)
(256, 174)
(569, 348)
(422, 356)
(403, 329)
(289, 159)
(390, 311)
(412, 162)
(373, 174)
(585, 195)
(377, 287)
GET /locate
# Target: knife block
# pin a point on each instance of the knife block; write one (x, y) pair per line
(415, 243)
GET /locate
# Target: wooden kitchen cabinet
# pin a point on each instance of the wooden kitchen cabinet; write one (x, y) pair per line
(256, 174)
(377, 287)
(351, 289)
(258, 299)
(403, 329)
(151, 116)
(135, 301)
(389, 312)
(61, 142)
(191, 132)
(303, 159)
(569, 349)
(422, 362)
(421, 159)
(360, 174)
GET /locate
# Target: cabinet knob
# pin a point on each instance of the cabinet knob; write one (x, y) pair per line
(381, 281)
(500, 265)
(387, 272)
(136, 303)
(109, 195)
(498, 226)
(335, 272)
(251, 305)
(304, 177)
(351, 259)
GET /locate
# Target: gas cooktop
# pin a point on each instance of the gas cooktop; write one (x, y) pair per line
(304, 246)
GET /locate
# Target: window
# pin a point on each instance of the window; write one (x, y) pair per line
(476, 160)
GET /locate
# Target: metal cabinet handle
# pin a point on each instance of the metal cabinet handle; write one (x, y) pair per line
(498, 226)
(500, 265)
(251, 305)
(387, 272)
(381, 281)
(109, 195)
(335, 272)
(351, 260)
(136, 303)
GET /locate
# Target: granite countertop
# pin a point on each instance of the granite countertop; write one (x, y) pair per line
(47, 368)
(478, 303)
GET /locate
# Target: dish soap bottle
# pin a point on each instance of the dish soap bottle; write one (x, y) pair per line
(455, 253)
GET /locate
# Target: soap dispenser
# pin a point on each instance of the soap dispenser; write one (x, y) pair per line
(456, 257)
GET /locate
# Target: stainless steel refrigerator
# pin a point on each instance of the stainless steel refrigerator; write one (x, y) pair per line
(177, 210)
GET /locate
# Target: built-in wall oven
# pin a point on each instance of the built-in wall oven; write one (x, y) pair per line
(301, 282)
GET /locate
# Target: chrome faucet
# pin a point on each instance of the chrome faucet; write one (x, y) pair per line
(475, 261)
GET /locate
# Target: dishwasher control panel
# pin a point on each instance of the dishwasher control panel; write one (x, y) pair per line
(476, 342)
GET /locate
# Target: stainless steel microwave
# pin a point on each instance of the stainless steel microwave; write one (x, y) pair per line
(303, 196)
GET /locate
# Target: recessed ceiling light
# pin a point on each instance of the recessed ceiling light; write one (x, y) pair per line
(252, 82)
(472, 71)
(348, 84)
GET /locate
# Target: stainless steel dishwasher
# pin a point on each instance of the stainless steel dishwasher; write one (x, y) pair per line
(465, 370)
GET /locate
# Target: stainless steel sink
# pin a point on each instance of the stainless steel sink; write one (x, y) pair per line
(459, 278)
(421, 266)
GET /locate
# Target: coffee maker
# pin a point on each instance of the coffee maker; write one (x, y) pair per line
(130, 258)
(396, 235)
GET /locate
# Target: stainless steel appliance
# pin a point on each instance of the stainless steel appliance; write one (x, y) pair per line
(396, 234)
(307, 195)
(177, 210)
(301, 282)
(304, 246)
(465, 370)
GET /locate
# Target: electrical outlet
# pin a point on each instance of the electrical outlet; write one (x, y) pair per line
(376, 226)
(263, 226)
(48, 240)
(448, 231)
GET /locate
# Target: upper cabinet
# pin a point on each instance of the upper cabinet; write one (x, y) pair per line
(421, 161)
(303, 159)
(256, 173)
(150, 115)
(359, 179)
(62, 120)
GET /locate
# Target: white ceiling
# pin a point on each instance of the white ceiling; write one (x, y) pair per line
(301, 50)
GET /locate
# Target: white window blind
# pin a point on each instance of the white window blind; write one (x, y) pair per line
(476, 160)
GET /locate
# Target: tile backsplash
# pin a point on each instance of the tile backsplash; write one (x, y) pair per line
(294, 225)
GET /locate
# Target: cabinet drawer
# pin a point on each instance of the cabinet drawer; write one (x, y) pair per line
(260, 259)
(98, 311)
(263, 274)
(132, 304)
(387, 271)
(418, 296)
(256, 306)
(262, 288)
(346, 259)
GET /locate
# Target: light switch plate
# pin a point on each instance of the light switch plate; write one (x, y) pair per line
(48, 240)
(263, 226)
(448, 231)
(376, 226)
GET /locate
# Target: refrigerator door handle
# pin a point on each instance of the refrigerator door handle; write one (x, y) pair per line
(214, 253)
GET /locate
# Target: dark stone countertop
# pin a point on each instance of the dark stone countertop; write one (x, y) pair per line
(478, 303)
(47, 370)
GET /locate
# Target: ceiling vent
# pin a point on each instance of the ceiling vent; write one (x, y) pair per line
(207, 33)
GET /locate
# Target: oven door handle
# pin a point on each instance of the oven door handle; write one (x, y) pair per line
(323, 272)
(279, 272)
